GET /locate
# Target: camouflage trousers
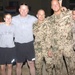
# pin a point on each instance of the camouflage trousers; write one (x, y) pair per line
(52, 63)
(69, 56)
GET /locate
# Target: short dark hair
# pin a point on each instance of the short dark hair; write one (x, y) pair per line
(7, 14)
(23, 4)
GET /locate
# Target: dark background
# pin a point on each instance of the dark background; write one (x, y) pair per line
(11, 6)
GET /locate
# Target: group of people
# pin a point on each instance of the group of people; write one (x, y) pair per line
(54, 41)
(36, 39)
(16, 41)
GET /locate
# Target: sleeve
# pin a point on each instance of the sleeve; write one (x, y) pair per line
(13, 26)
(34, 19)
(34, 30)
(14, 20)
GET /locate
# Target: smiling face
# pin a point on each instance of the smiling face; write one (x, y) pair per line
(23, 10)
(41, 15)
(8, 19)
(55, 5)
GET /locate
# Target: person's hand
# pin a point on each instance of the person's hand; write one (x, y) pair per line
(49, 53)
(63, 9)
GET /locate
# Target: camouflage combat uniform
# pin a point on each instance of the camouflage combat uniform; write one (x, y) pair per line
(62, 42)
(40, 44)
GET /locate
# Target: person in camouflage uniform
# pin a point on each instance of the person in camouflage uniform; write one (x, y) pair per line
(40, 33)
(62, 39)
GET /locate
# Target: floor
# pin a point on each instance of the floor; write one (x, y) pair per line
(25, 70)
